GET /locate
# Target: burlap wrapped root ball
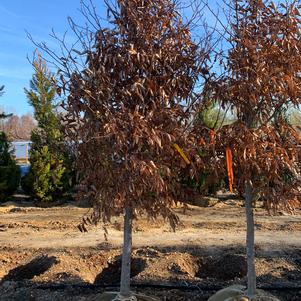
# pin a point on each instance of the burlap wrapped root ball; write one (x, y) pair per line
(114, 296)
(238, 293)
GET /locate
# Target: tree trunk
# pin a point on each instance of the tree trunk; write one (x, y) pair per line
(126, 254)
(250, 240)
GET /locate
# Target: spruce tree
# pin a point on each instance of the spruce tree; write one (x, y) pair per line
(45, 179)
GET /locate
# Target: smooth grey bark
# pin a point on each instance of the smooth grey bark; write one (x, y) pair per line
(251, 290)
(126, 253)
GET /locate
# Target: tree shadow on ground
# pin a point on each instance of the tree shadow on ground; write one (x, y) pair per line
(111, 273)
(35, 267)
(216, 266)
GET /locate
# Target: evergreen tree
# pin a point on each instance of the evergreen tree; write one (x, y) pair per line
(45, 179)
(9, 171)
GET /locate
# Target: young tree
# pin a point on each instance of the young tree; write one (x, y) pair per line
(44, 180)
(9, 171)
(263, 80)
(125, 110)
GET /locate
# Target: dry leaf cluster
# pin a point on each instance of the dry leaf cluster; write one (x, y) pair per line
(128, 103)
(263, 81)
(127, 109)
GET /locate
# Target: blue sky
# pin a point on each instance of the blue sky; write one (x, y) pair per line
(38, 17)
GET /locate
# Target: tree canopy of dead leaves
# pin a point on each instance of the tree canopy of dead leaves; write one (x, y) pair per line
(262, 81)
(126, 109)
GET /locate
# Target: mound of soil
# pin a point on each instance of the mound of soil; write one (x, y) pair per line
(169, 267)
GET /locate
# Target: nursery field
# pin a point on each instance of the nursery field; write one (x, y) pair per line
(43, 256)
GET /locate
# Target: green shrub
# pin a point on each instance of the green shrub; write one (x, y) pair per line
(51, 174)
(44, 180)
(9, 171)
(9, 180)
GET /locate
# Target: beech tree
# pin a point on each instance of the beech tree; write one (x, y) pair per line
(126, 89)
(262, 81)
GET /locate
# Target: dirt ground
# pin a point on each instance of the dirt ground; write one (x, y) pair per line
(43, 256)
